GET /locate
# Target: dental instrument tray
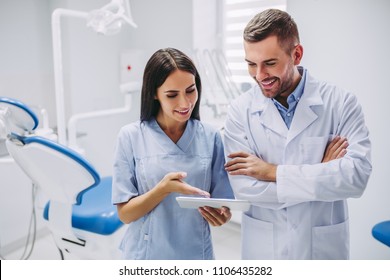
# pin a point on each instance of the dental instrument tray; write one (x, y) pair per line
(196, 202)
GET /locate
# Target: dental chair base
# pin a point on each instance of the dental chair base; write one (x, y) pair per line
(90, 246)
(96, 228)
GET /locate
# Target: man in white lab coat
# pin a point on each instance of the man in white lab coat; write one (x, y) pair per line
(297, 148)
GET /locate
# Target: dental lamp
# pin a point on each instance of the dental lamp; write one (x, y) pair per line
(107, 20)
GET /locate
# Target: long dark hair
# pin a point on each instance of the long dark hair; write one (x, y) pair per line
(160, 65)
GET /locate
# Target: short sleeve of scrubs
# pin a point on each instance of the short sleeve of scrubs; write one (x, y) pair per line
(124, 178)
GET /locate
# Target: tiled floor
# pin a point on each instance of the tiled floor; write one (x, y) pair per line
(226, 240)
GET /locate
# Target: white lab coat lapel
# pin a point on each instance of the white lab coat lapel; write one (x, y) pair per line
(304, 114)
(272, 119)
(264, 112)
(263, 115)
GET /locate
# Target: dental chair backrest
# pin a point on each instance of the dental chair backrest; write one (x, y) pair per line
(64, 176)
(59, 171)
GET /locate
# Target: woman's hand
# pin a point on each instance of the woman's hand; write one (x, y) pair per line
(215, 216)
(139, 206)
(173, 182)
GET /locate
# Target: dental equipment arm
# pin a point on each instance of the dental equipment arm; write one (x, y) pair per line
(106, 20)
(127, 88)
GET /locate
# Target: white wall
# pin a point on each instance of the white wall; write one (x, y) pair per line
(346, 42)
(206, 29)
(25, 51)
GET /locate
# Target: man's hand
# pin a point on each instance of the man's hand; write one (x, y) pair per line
(336, 149)
(243, 163)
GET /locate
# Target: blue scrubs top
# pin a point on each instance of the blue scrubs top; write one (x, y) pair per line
(144, 155)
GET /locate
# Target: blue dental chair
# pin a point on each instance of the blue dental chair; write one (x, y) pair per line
(381, 232)
(79, 214)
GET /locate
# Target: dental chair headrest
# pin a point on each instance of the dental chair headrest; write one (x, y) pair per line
(19, 117)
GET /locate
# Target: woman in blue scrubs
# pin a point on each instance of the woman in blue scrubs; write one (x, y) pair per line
(168, 153)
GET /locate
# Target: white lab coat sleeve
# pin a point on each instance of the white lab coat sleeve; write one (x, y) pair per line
(259, 193)
(337, 179)
(220, 185)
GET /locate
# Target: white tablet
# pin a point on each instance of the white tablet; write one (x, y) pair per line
(196, 202)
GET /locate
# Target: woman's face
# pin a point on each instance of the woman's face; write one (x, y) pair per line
(177, 96)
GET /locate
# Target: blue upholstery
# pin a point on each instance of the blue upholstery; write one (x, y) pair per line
(381, 232)
(96, 213)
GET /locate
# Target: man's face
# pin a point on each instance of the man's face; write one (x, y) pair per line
(272, 68)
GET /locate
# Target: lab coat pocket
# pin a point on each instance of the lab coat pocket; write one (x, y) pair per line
(331, 242)
(313, 149)
(257, 239)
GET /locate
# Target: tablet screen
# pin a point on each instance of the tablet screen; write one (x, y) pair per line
(196, 202)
